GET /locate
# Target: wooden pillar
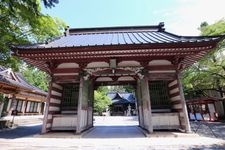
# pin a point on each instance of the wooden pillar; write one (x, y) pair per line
(79, 107)
(140, 104)
(28, 106)
(8, 106)
(90, 104)
(23, 107)
(183, 103)
(147, 112)
(1, 108)
(52, 105)
(83, 110)
(45, 120)
(13, 105)
(39, 108)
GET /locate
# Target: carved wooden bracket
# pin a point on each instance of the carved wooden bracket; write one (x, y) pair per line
(177, 62)
(144, 63)
(83, 65)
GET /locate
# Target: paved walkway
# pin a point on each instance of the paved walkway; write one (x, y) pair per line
(21, 131)
(209, 129)
(115, 132)
(166, 143)
(115, 127)
(122, 135)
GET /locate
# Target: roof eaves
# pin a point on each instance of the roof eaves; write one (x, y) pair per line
(196, 37)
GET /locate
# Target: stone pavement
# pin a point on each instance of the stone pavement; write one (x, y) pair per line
(209, 129)
(110, 137)
(25, 120)
(112, 144)
(115, 132)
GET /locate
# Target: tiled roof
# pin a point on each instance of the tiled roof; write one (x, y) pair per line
(117, 97)
(119, 36)
(17, 80)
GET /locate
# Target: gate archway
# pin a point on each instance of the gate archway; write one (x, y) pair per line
(135, 55)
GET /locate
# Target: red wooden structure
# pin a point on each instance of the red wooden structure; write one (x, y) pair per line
(139, 55)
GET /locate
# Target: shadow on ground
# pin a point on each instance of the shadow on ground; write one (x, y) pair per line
(21, 132)
(115, 132)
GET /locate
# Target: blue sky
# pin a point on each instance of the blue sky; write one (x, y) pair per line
(180, 16)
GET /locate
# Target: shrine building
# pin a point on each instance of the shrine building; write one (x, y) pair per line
(21, 96)
(147, 57)
(121, 101)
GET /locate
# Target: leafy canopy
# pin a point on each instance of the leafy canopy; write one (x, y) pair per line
(21, 22)
(209, 73)
(36, 77)
(101, 100)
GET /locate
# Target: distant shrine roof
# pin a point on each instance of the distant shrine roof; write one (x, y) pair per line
(121, 97)
(12, 82)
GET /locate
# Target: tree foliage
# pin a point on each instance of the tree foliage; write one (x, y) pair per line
(121, 88)
(50, 3)
(101, 100)
(209, 73)
(214, 29)
(36, 77)
(2, 98)
(21, 22)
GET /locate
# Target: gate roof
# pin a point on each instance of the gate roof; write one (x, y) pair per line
(138, 43)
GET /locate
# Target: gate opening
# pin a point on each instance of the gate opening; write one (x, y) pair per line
(115, 105)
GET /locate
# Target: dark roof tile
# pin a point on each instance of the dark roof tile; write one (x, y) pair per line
(118, 36)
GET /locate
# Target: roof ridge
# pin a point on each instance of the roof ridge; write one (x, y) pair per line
(159, 27)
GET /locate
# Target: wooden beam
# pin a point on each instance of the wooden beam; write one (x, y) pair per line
(106, 83)
(66, 70)
(161, 76)
(116, 71)
(110, 55)
(66, 78)
(161, 67)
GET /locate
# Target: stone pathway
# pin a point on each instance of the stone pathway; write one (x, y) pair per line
(25, 120)
(121, 134)
(209, 129)
(115, 132)
(186, 143)
(21, 132)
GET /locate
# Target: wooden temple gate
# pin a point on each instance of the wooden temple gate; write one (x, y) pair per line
(143, 56)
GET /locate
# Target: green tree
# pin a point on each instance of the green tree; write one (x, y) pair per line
(101, 100)
(209, 73)
(36, 77)
(50, 3)
(21, 22)
(1, 98)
